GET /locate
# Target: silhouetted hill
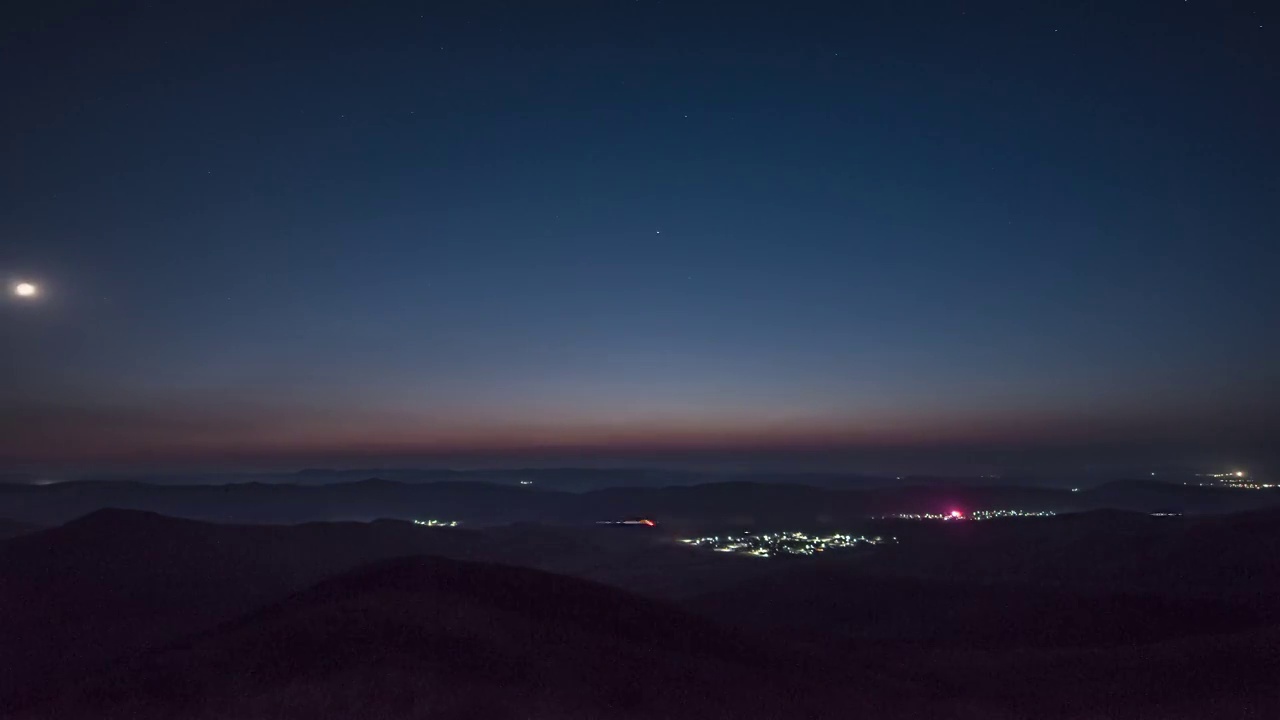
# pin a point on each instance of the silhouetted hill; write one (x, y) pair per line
(1230, 675)
(573, 479)
(830, 600)
(13, 528)
(115, 582)
(1151, 495)
(1230, 556)
(118, 581)
(121, 587)
(773, 505)
(427, 637)
(474, 502)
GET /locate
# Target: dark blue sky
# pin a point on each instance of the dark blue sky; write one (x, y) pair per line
(277, 232)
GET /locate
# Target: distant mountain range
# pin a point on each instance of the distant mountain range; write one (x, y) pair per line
(569, 479)
(474, 502)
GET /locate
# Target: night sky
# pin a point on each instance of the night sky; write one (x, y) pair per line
(846, 234)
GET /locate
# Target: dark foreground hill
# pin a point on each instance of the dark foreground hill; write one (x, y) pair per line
(1101, 614)
(1218, 557)
(1227, 676)
(428, 637)
(834, 602)
(117, 582)
(13, 528)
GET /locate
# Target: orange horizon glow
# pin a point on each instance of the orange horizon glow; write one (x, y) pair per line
(226, 432)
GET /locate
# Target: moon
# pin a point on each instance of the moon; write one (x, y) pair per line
(26, 290)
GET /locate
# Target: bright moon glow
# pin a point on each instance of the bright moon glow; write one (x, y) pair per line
(25, 289)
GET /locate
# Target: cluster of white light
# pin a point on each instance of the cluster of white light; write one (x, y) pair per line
(782, 543)
(975, 515)
(1235, 479)
(437, 523)
(992, 514)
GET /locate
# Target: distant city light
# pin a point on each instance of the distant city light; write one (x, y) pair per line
(1230, 474)
(436, 523)
(782, 543)
(975, 515)
(1234, 479)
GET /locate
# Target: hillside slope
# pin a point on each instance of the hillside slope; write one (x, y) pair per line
(117, 582)
(428, 637)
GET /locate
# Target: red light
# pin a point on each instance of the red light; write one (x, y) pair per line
(957, 514)
(647, 522)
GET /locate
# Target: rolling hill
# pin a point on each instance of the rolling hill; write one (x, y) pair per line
(117, 582)
(13, 528)
(428, 637)
(759, 504)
